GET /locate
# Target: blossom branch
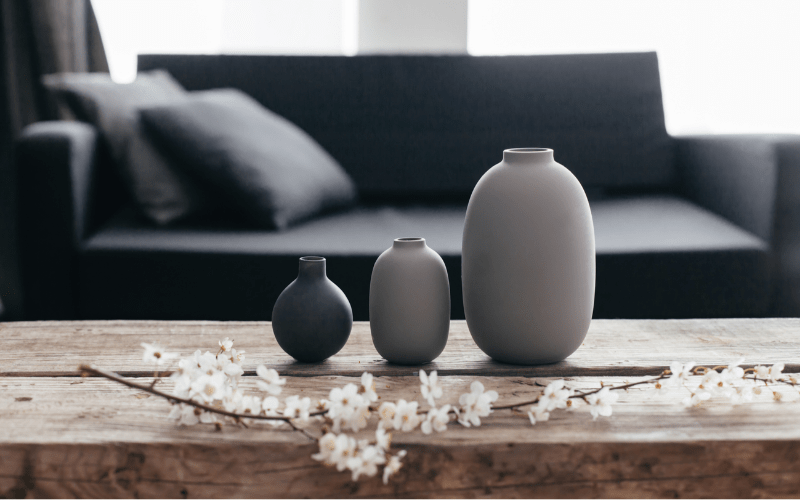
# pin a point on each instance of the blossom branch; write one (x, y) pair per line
(582, 395)
(90, 370)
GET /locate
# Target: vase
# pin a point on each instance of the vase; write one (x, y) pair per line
(312, 317)
(409, 303)
(528, 260)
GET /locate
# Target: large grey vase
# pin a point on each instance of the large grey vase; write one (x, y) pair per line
(528, 260)
(312, 317)
(409, 303)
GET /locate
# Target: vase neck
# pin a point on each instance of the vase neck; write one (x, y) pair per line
(528, 156)
(312, 268)
(408, 243)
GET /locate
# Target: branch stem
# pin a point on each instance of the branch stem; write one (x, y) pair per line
(90, 370)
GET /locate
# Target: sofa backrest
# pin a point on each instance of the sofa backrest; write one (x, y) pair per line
(432, 125)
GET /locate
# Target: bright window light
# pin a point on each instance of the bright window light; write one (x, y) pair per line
(727, 66)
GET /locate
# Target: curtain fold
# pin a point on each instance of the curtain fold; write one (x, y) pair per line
(37, 37)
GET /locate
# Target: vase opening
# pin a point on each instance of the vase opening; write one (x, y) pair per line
(527, 156)
(312, 267)
(409, 242)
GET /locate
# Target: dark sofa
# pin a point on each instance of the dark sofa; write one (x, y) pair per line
(685, 227)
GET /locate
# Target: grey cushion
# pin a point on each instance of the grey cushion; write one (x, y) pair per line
(657, 256)
(272, 172)
(161, 191)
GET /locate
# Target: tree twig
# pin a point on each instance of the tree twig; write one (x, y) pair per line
(301, 430)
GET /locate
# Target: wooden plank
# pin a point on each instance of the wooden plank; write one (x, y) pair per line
(612, 347)
(69, 437)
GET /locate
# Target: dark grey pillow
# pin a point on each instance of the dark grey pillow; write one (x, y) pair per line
(257, 162)
(162, 192)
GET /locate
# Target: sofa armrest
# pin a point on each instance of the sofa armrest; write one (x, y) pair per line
(753, 181)
(55, 163)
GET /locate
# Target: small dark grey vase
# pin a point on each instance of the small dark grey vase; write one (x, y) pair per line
(312, 317)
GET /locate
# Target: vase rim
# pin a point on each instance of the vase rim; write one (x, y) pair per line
(529, 150)
(409, 242)
(528, 156)
(312, 258)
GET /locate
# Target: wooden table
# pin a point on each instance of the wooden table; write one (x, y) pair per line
(62, 435)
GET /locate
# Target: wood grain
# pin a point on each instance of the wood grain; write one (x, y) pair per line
(612, 347)
(90, 437)
(67, 436)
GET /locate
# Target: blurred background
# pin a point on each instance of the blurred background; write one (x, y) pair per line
(727, 66)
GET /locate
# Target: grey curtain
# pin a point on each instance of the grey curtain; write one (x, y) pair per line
(36, 37)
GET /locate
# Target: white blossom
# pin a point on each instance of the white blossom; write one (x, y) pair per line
(347, 406)
(232, 401)
(386, 414)
(183, 383)
(297, 408)
(155, 354)
(225, 345)
(270, 408)
(429, 387)
(327, 445)
(209, 387)
(343, 450)
(383, 439)
(475, 404)
(696, 398)
(237, 356)
(436, 420)
(538, 415)
(775, 371)
(731, 377)
(600, 402)
(741, 394)
(366, 462)
(250, 405)
(232, 369)
(405, 417)
(711, 381)
(358, 418)
(270, 381)
(184, 414)
(206, 363)
(555, 396)
(680, 372)
(393, 466)
(662, 387)
(772, 373)
(368, 387)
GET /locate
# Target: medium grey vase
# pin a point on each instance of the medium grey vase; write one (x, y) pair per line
(528, 260)
(312, 317)
(409, 303)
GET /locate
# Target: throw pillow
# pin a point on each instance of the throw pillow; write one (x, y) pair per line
(256, 161)
(162, 192)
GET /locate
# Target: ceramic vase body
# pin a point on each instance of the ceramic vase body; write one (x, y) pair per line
(528, 260)
(312, 317)
(409, 303)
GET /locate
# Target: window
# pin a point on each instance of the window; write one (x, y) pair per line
(727, 66)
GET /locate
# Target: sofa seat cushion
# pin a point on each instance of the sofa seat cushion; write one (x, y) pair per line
(657, 256)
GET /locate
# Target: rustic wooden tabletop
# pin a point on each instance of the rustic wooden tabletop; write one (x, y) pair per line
(67, 436)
